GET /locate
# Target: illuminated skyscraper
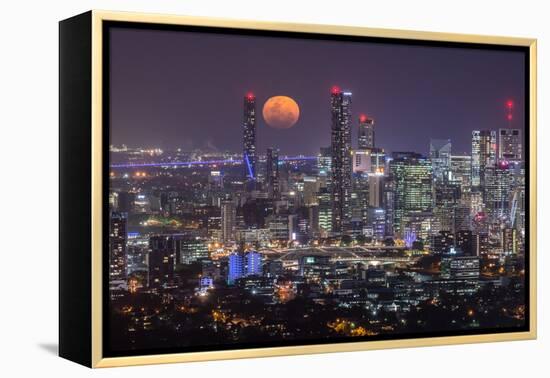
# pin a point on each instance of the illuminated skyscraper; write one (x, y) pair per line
(341, 163)
(484, 144)
(228, 224)
(162, 259)
(376, 190)
(462, 217)
(378, 160)
(324, 166)
(376, 220)
(509, 145)
(311, 188)
(440, 155)
(461, 170)
(446, 197)
(362, 161)
(360, 198)
(411, 175)
(117, 246)
(498, 182)
(249, 136)
(272, 172)
(366, 132)
(509, 241)
(325, 210)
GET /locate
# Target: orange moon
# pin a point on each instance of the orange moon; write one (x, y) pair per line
(281, 112)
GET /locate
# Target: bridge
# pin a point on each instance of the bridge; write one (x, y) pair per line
(189, 164)
(381, 254)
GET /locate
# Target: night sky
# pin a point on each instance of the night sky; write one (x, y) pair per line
(185, 89)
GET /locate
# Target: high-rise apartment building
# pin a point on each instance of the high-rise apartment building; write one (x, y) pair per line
(229, 220)
(272, 172)
(249, 136)
(341, 162)
(411, 175)
(484, 145)
(117, 246)
(440, 156)
(366, 133)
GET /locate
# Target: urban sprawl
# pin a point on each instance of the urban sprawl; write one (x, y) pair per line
(225, 248)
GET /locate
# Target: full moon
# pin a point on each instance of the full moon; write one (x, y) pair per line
(281, 112)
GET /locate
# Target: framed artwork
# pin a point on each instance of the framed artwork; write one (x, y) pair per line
(235, 189)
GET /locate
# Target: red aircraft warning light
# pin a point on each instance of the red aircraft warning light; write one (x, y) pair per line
(250, 96)
(509, 110)
(362, 118)
(335, 90)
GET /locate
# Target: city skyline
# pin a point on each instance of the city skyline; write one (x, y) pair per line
(351, 238)
(158, 108)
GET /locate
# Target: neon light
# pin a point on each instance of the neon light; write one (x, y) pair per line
(174, 163)
(410, 238)
(249, 167)
(204, 162)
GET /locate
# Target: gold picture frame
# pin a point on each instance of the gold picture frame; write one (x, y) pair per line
(93, 356)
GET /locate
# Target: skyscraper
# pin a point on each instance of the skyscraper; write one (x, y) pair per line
(324, 166)
(411, 175)
(376, 220)
(362, 161)
(509, 240)
(378, 160)
(341, 162)
(497, 191)
(162, 260)
(366, 132)
(117, 244)
(325, 210)
(376, 190)
(229, 216)
(311, 188)
(272, 172)
(461, 170)
(484, 144)
(440, 155)
(509, 145)
(249, 136)
(446, 197)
